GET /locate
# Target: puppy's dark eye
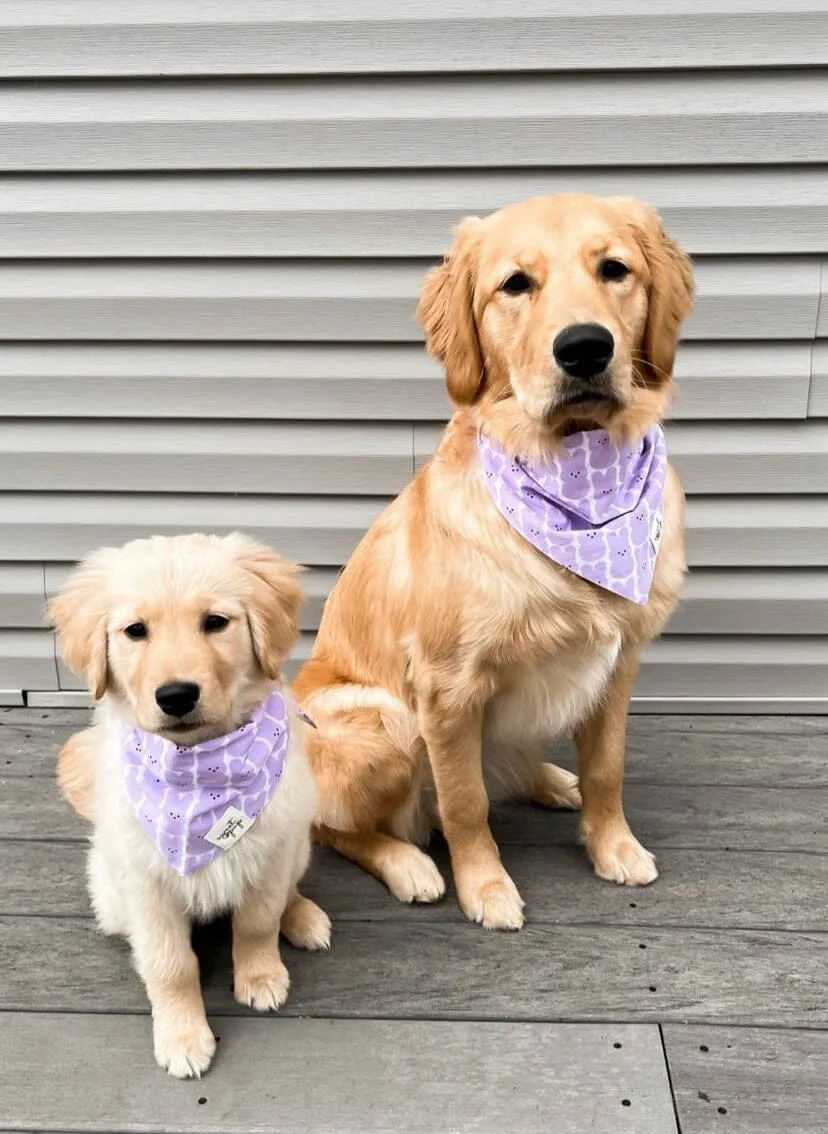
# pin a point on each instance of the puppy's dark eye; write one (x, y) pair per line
(137, 631)
(613, 270)
(518, 283)
(215, 622)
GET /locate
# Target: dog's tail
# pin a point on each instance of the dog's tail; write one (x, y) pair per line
(76, 772)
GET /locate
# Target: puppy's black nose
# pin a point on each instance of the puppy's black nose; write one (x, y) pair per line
(177, 698)
(583, 350)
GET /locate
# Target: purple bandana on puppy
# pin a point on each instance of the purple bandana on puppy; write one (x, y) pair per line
(594, 508)
(194, 803)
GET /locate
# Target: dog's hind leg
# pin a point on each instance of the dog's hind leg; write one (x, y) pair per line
(556, 788)
(305, 924)
(408, 872)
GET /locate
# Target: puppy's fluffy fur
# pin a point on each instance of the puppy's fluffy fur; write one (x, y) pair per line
(450, 649)
(170, 585)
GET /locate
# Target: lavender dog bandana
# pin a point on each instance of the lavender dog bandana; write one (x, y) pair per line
(595, 508)
(196, 802)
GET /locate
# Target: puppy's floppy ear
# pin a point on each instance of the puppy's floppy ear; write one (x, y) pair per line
(670, 294)
(79, 614)
(446, 314)
(273, 598)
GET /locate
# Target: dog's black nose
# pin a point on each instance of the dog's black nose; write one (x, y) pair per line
(583, 350)
(177, 698)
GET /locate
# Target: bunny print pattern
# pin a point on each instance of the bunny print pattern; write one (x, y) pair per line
(194, 803)
(594, 508)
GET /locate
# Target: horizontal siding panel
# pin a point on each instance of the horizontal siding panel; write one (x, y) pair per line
(782, 531)
(67, 526)
(92, 37)
(818, 404)
(21, 595)
(770, 458)
(777, 298)
(723, 531)
(385, 213)
(749, 117)
(27, 660)
(697, 668)
(176, 456)
(344, 382)
(783, 668)
(750, 601)
(750, 457)
(316, 584)
(742, 601)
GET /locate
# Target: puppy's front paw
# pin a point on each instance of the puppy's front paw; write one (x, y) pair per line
(263, 986)
(492, 901)
(620, 858)
(306, 925)
(185, 1048)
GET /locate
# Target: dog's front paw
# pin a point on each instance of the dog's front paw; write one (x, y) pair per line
(411, 875)
(306, 925)
(492, 901)
(185, 1048)
(619, 857)
(263, 986)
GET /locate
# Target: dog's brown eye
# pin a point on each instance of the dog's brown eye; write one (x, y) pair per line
(517, 284)
(137, 631)
(215, 622)
(613, 270)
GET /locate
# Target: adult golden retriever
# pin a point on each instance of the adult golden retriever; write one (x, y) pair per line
(182, 640)
(450, 650)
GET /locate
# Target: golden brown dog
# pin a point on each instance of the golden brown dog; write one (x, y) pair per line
(450, 649)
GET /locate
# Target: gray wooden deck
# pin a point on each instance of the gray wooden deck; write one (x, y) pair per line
(694, 1006)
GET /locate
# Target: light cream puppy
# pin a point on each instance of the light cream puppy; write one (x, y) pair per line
(183, 639)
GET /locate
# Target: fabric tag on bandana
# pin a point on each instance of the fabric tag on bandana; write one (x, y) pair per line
(229, 829)
(655, 531)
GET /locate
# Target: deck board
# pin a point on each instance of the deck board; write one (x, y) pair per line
(711, 889)
(765, 1080)
(455, 971)
(419, 1076)
(742, 751)
(674, 815)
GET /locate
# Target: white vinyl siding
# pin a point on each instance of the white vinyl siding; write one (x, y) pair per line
(214, 222)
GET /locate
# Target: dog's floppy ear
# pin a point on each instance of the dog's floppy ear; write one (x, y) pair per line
(273, 598)
(79, 614)
(446, 314)
(670, 295)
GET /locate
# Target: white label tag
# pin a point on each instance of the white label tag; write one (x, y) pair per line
(655, 531)
(229, 829)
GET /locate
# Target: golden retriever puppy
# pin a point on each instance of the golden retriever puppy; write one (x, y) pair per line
(194, 772)
(506, 594)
